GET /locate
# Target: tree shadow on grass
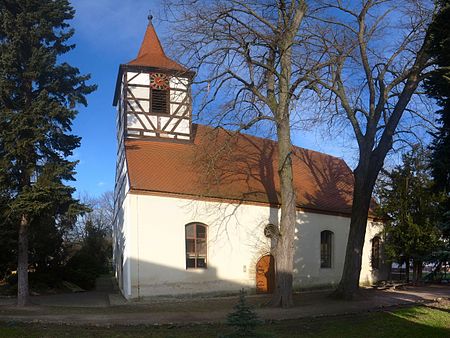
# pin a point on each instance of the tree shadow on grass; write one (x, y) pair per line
(439, 308)
(409, 322)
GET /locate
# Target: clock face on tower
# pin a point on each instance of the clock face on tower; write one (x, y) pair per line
(159, 81)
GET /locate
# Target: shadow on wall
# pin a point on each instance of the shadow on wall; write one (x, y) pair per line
(118, 246)
(141, 278)
(149, 279)
(379, 263)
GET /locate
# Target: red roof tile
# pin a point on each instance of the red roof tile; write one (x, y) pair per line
(151, 53)
(225, 165)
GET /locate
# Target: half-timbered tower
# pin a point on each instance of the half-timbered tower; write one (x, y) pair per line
(184, 224)
(153, 94)
(153, 100)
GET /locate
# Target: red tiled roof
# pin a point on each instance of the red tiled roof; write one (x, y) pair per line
(151, 53)
(230, 166)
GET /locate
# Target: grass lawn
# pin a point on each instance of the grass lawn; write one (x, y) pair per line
(418, 321)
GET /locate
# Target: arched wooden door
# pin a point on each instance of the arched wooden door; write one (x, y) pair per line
(265, 274)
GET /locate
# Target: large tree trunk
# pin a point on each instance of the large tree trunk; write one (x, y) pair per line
(284, 251)
(407, 268)
(22, 263)
(285, 248)
(352, 267)
(417, 271)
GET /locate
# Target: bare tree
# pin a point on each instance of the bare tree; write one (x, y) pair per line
(100, 214)
(253, 65)
(379, 48)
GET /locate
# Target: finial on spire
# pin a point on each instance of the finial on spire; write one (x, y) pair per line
(150, 17)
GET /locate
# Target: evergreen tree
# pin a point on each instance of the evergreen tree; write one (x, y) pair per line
(8, 242)
(438, 87)
(412, 209)
(38, 95)
(243, 319)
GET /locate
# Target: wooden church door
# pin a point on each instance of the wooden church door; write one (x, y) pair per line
(265, 274)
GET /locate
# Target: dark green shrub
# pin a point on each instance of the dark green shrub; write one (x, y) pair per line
(91, 260)
(39, 281)
(243, 319)
(82, 269)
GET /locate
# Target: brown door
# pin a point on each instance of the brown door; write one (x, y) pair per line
(265, 274)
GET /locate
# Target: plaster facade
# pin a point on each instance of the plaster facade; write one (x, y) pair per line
(155, 253)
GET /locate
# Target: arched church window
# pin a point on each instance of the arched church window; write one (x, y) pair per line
(326, 242)
(376, 252)
(196, 248)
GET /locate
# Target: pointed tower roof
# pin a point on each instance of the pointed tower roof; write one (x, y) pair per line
(151, 57)
(151, 53)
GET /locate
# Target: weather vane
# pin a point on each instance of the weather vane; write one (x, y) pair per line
(150, 16)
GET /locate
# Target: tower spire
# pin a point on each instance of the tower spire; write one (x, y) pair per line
(151, 52)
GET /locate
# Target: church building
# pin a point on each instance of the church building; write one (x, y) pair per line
(196, 206)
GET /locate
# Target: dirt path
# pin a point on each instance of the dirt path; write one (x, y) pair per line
(97, 311)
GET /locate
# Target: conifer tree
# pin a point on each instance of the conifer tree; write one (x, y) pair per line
(412, 209)
(243, 319)
(38, 96)
(438, 87)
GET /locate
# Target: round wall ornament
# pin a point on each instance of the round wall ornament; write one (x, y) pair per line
(270, 231)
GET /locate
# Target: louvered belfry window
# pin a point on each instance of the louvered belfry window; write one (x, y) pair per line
(196, 250)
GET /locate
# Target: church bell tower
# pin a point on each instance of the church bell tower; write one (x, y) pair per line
(153, 95)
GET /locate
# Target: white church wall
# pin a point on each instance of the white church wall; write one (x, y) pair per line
(158, 237)
(121, 248)
(369, 275)
(236, 241)
(307, 270)
(128, 248)
(120, 226)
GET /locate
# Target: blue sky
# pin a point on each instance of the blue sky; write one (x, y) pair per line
(108, 33)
